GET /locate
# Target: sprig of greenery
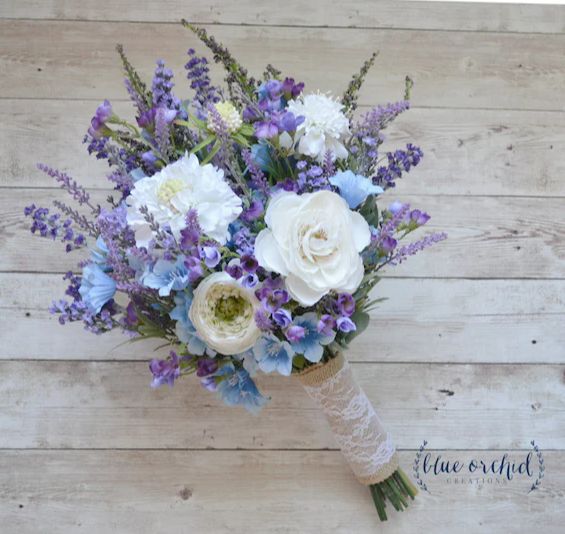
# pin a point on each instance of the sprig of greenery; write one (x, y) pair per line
(349, 98)
(236, 72)
(137, 84)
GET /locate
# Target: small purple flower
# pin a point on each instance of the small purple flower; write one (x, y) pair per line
(103, 113)
(288, 122)
(248, 263)
(165, 371)
(326, 325)
(249, 280)
(266, 129)
(396, 206)
(234, 269)
(345, 304)
(275, 299)
(194, 267)
(419, 217)
(209, 383)
(211, 256)
(295, 333)
(290, 89)
(345, 324)
(254, 211)
(282, 317)
(388, 244)
(206, 367)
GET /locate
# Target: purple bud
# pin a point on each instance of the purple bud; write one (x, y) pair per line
(346, 304)
(206, 366)
(345, 324)
(419, 217)
(249, 263)
(326, 325)
(211, 256)
(282, 317)
(234, 269)
(295, 333)
(254, 211)
(388, 244)
(249, 280)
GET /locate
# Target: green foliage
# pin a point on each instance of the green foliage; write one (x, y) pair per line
(349, 98)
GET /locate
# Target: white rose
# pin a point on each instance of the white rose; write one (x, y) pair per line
(223, 314)
(314, 240)
(324, 128)
(177, 188)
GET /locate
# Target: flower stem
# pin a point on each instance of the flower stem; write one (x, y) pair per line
(396, 489)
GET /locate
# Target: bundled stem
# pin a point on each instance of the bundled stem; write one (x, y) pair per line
(396, 489)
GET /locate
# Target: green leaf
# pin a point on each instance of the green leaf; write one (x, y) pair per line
(370, 211)
(203, 144)
(361, 320)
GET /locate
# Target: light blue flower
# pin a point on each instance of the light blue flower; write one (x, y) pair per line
(99, 253)
(272, 354)
(312, 344)
(354, 188)
(249, 361)
(96, 287)
(184, 329)
(261, 156)
(166, 276)
(238, 388)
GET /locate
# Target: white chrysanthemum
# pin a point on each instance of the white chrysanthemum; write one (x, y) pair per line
(324, 127)
(178, 188)
(223, 314)
(229, 114)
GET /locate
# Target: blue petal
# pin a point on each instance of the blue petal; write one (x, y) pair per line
(354, 188)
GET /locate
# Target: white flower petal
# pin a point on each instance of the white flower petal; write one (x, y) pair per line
(268, 254)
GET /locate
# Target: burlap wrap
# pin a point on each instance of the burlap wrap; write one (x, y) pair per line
(353, 420)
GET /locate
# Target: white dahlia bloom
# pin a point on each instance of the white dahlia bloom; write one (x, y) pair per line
(324, 128)
(223, 314)
(178, 188)
(229, 114)
(314, 240)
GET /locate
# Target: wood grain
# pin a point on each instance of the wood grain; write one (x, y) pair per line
(76, 60)
(354, 13)
(489, 237)
(454, 320)
(221, 492)
(466, 151)
(110, 405)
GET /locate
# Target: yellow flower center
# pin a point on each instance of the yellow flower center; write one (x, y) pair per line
(167, 190)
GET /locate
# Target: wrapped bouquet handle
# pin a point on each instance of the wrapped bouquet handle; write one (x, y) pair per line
(359, 432)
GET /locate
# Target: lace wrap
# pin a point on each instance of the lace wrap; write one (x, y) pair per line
(358, 430)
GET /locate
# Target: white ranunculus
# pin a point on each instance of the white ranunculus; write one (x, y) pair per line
(324, 128)
(314, 240)
(177, 188)
(223, 314)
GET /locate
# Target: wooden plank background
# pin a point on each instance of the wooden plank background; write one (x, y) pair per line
(467, 353)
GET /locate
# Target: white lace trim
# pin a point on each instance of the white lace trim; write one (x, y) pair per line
(354, 422)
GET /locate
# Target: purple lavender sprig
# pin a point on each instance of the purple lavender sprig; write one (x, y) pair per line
(197, 72)
(413, 248)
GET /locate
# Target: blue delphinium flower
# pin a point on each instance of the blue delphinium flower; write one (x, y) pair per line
(167, 276)
(184, 329)
(238, 388)
(96, 287)
(354, 188)
(272, 354)
(311, 345)
(99, 253)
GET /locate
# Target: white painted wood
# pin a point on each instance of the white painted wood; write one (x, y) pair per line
(431, 320)
(354, 13)
(450, 69)
(466, 151)
(489, 237)
(221, 492)
(110, 405)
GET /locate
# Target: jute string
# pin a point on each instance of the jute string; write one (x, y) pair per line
(358, 431)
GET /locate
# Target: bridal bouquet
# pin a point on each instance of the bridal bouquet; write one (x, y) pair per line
(245, 232)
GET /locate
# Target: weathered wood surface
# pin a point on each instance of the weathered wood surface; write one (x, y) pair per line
(154, 492)
(473, 152)
(110, 405)
(449, 68)
(354, 13)
(468, 352)
(452, 320)
(489, 236)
